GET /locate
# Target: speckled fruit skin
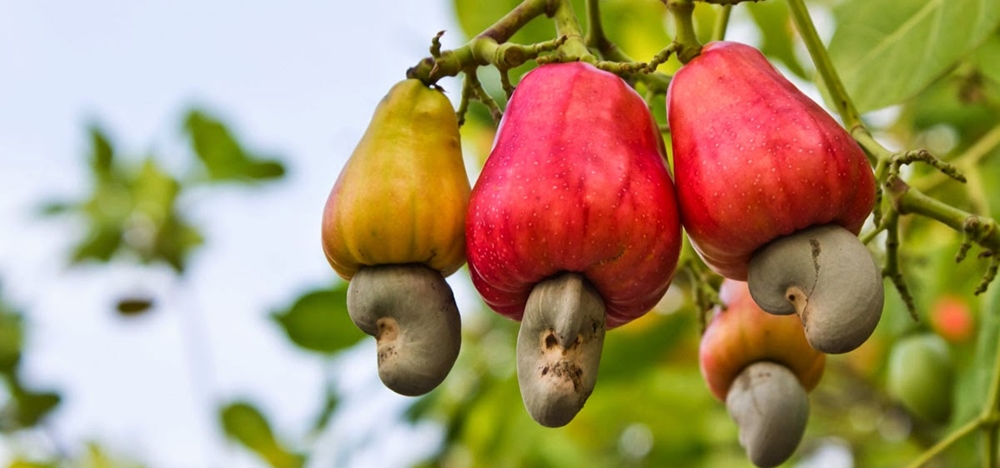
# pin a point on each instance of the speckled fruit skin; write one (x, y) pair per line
(755, 159)
(576, 181)
(743, 334)
(402, 196)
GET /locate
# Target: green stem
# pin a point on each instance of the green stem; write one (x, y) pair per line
(873, 149)
(943, 444)
(990, 447)
(824, 66)
(721, 23)
(595, 30)
(567, 25)
(655, 81)
(453, 62)
(906, 199)
(991, 413)
(685, 42)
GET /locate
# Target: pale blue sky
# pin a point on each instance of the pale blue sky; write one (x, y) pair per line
(293, 78)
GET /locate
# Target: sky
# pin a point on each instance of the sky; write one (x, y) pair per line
(297, 79)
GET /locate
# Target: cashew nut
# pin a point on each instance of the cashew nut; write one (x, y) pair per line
(411, 312)
(559, 348)
(771, 409)
(826, 276)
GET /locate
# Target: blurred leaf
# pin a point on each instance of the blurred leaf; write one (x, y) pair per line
(132, 306)
(775, 25)
(223, 157)
(11, 338)
(330, 405)
(245, 423)
(26, 408)
(318, 321)
(973, 386)
(987, 56)
(886, 51)
(53, 208)
(100, 244)
(153, 192)
(639, 345)
(21, 463)
(102, 154)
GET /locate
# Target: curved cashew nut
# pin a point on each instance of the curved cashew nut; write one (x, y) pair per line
(771, 409)
(411, 312)
(559, 348)
(826, 276)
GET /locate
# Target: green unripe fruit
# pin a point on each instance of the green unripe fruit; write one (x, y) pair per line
(921, 376)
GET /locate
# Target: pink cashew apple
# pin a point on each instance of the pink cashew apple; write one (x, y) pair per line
(772, 190)
(572, 226)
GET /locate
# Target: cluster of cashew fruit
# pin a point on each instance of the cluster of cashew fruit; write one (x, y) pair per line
(773, 192)
(574, 228)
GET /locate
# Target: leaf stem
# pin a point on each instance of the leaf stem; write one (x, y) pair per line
(596, 39)
(824, 66)
(685, 43)
(943, 444)
(721, 23)
(567, 25)
(452, 62)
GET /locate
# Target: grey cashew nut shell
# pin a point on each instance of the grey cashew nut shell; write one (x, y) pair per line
(559, 348)
(771, 409)
(826, 276)
(411, 312)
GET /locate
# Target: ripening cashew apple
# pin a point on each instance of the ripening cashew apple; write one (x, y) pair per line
(394, 226)
(572, 227)
(773, 191)
(761, 366)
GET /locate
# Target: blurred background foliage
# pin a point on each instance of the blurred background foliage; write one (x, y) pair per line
(931, 69)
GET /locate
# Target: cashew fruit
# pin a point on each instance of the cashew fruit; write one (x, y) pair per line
(402, 196)
(394, 226)
(742, 334)
(572, 227)
(762, 367)
(576, 181)
(755, 159)
(773, 191)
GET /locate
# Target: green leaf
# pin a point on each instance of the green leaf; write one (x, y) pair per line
(28, 407)
(11, 339)
(101, 244)
(886, 50)
(973, 386)
(318, 321)
(330, 405)
(247, 425)
(54, 208)
(987, 58)
(224, 158)
(775, 25)
(102, 153)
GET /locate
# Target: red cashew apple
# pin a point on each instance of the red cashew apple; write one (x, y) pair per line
(572, 226)
(394, 226)
(772, 190)
(761, 366)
